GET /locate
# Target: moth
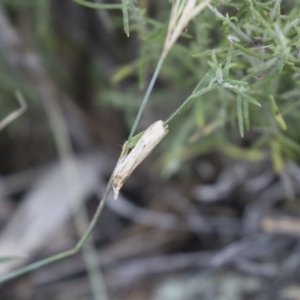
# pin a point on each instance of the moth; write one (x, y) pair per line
(127, 164)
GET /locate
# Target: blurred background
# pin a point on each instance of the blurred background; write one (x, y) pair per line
(210, 214)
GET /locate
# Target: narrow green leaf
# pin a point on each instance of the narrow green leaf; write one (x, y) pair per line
(264, 21)
(276, 156)
(201, 92)
(238, 83)
(223, 110)
(246, 114)
(200, 113)
(158, 33)
(291, 108)
(242, 10)
(280, 64)
(261, 71)
(261, 141)
(277, 115)
(125, 6)
(228, 61)
(240, 115)
(123, 72)
(98, 5)
(206, 80)
(251, 52)
(209, 52)
(214, 58)
(294, 68)
(212, 65)
(289, 142)
(247, 97)
(202, 88)
(237, 152)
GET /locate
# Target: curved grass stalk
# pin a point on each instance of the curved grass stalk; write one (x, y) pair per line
(146, 97)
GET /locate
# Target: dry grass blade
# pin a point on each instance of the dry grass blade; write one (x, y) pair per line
(183, 11)
(15, 114)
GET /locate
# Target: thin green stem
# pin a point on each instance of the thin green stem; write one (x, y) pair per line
(95, 217)
(37, 265)
(146, 97)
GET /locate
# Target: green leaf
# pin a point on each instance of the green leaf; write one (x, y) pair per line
(211, 74)
(242, 10)
(214, 58)
(201, 92)
(247, 97)
(261, 71)
(251, 52)
(98, 5)
(289, 142)
(125, 5)
(246, 114)
(202, 88)
(209, 52)
(294, 68)
(240, 115)
(212, 65)
(276, 156)
(228, 61)
(277, 115)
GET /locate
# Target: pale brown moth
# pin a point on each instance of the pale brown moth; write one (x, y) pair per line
(127, 164)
